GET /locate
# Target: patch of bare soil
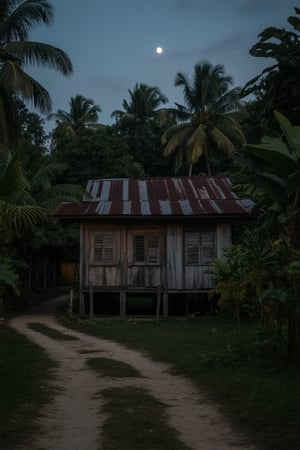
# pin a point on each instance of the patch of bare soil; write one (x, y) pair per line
(73, 420)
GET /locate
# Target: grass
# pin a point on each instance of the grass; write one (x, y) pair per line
(112, 368)
(136, 421)
(25, 375)
(258, 391)
(51, 332)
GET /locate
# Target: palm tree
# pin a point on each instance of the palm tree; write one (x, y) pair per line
(25, 206)
(143, 104)
(207, 121)
(17, 19)
(16, 215)
(83, 114)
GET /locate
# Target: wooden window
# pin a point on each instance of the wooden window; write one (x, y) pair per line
(104, 248)
(146, 248)
(199, 247)
(139, 248)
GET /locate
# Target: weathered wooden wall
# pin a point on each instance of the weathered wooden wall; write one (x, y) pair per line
(171, 273)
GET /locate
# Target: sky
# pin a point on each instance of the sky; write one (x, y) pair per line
(112, 45)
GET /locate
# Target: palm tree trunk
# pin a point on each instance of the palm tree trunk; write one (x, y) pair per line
(190, 169)
(207, 162)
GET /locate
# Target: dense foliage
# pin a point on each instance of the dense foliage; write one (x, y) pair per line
(278, 86)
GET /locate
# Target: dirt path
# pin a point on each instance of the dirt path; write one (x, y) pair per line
(73, 420)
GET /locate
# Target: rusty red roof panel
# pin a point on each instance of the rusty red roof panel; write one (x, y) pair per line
(171, 196)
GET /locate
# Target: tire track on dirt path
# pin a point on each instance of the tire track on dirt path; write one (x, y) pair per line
(73, 420)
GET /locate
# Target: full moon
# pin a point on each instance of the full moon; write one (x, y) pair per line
(159, 50)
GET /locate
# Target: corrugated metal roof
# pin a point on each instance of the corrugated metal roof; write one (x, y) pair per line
(171, 196)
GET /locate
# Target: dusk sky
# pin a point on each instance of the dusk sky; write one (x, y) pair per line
(112, 44)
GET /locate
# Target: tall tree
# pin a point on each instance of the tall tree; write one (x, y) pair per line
(140, 125)
(83, 113)
(207, 121)
(142, 106)
(17, 19)
(94, 154)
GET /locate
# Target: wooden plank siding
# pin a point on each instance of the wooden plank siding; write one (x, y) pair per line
(167, 268)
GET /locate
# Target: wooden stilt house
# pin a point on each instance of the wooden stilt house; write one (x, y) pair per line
(152, 236)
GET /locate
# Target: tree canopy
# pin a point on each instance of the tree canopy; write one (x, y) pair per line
(17, 51)
(278, 86)
(206, 121)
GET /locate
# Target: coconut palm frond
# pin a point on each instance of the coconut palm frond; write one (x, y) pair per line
(40, 54)
(228, 102)
(177, 140)
(171, 131)
(196, 145)
(15, 219)
(231, 128)
(117, 113)
(221, 141)
(21, 16)
(83, 113)
(188, 92)
(143, 104)
(12, 177)
(14, 79)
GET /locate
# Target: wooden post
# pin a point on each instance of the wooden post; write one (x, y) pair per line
(122, 304)
(36, 271)
(81, 304)
(158, 301)
(186, 305)
(91, 300)
(30, 273)
(54, 271)
(71, 302)
(45, 272)
(166, 304)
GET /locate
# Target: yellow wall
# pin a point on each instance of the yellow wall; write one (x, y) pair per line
(69, 272)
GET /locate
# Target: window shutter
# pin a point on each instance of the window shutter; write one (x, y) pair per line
(208, 246)
(98, 247)
(104, 248)
(139, 248)
(153, 249)
(192, 243)
(108, 255)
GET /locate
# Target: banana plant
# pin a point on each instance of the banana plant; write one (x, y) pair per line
(279, 180)
(279, 183)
